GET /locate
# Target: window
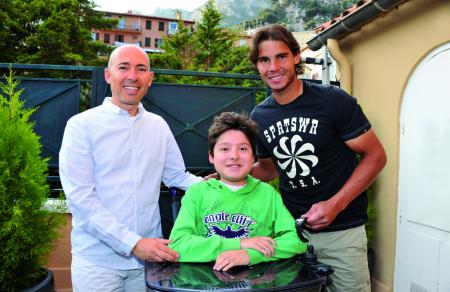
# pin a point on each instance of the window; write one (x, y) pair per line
(161, 26)
(94, 36)
(106, 38)
(173, 27)
(121, 23)
(147, 42)
(148, 24)
(158, 43)
(118, 38)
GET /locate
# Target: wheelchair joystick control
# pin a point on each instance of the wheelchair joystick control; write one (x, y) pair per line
(310, 258)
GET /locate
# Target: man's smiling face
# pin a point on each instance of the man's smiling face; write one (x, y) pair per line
(276, 65)
(129, 76)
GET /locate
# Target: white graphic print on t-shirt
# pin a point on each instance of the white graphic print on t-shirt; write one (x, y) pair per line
(294, 157)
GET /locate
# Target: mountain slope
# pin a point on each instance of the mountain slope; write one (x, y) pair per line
(233, 11)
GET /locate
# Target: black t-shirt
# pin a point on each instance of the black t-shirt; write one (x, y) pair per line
(306, 140)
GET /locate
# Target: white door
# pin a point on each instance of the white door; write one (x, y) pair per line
(423, 225)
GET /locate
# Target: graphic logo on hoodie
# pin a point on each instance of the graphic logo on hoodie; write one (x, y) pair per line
(228, 225)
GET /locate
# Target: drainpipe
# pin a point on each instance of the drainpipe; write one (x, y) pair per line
(348, 23)
(345, 69)
(325, 66)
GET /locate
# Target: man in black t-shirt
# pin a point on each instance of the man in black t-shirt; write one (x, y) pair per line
(309, 136)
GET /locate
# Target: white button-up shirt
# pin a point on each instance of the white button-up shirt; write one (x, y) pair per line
(111, 166)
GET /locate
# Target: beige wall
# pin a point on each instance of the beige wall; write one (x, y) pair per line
(383, 55)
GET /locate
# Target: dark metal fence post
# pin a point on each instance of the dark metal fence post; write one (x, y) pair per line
(99, 86)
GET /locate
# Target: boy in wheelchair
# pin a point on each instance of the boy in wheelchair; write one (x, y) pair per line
(236, 219)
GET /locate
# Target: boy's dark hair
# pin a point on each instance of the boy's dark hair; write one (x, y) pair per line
(232, 121)
(275, 32)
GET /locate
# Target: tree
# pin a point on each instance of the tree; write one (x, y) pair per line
(320, 11)
(50, 31)
(12, 29)
(212, 41)
(179, 50)
(302, 14)
(207, 48)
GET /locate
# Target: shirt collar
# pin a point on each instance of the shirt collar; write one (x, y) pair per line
(117, 110)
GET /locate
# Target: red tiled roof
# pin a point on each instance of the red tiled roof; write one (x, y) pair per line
(350, 20)
(346, 13)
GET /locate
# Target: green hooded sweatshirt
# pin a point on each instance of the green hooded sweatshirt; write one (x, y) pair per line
(213, 219)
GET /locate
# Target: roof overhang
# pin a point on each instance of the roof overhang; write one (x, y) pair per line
(350, 20)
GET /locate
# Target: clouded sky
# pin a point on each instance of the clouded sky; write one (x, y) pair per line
(147, 6)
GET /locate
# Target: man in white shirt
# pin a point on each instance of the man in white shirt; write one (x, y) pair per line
(112, 160)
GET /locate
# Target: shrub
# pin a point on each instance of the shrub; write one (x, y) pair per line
(26, 228)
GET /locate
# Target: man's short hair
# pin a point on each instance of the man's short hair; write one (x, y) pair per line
(232, 121)
(275, 32)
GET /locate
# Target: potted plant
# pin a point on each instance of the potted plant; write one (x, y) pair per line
(27, 229)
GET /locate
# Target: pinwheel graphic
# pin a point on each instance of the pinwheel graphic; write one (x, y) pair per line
(288, 159)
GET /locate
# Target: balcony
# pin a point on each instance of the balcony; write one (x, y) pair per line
(133, 28)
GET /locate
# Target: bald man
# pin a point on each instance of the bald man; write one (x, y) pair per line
(112, 161)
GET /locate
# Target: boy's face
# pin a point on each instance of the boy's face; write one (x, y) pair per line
(233, 157)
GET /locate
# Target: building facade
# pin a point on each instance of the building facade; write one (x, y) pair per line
(399, 70)
(145, 31)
